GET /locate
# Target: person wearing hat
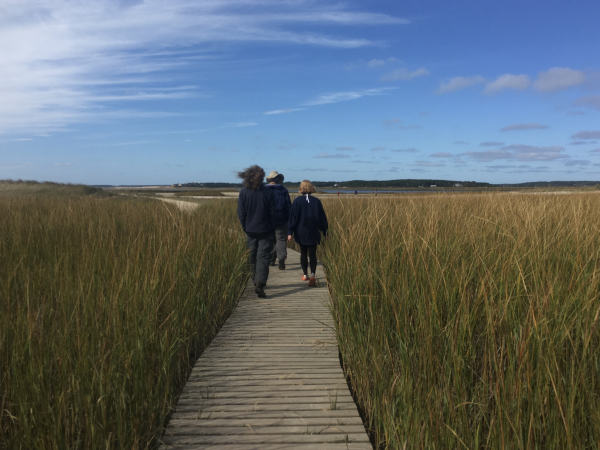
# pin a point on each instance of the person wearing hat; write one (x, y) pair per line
(282, 215)
(256, 211)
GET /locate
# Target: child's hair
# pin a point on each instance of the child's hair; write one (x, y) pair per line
(252, 177)
(306, 187)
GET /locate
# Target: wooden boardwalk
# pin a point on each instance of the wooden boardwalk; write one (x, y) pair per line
(271, 379)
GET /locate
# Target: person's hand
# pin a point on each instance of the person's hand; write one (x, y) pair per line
(290, 238)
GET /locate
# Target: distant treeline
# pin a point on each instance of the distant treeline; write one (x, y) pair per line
(553, 184)
(404, 184)
(394, 183)
(211, 185)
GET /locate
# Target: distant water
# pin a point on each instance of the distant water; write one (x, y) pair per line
(379, 191)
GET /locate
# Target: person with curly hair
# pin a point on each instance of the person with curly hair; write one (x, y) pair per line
(256, 211)
(307, 222)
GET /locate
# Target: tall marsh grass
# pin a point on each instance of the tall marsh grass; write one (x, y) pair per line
(103, 305)
(470, 321)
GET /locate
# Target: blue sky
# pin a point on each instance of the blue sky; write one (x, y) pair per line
(154, 92)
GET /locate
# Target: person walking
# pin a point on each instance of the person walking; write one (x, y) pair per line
(307, 222)
(256, 211)
(282, 215)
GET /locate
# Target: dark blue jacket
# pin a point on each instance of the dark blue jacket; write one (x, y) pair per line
(307, 220)
(282, 203)
(256, 211)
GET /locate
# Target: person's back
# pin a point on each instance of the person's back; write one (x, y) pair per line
(256, 211)
(282, 203)
(307, 222)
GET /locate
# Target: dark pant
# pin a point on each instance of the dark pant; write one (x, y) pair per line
(280, 241)
(260, 252)
(311, 250)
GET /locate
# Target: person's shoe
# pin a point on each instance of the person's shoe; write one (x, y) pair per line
(281, 264)
(273, 261)
(258, 290)
(312, 282)
(305, 278)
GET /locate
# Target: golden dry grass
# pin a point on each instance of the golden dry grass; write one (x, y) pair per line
(470, 321)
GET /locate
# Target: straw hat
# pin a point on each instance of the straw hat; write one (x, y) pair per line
(273, 175)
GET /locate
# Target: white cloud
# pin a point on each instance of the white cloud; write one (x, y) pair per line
(441, 155)
(378, 149)
(460, 143)
(327, 155)
(519, 152)
(282, 111)
(344, 149)
(586, 135)
(405, 150)
(523, 126)
(577, 162)
(491, 144)
(337, 97)
(61, 61)
(558, 79)
(507, 81)
(403, 74)
(376, 63)
(456, 83)
(589, 100)
(429, 164)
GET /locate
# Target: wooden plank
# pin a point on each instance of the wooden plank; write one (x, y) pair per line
(261, 446)
(271, 439)
(271, 379)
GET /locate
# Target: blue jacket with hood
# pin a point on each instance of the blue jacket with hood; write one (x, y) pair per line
(282, 203)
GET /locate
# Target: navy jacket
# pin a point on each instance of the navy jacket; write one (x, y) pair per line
(307, 220)
(256, 211)
(282, 203)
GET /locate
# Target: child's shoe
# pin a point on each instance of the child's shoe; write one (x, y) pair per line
(305, 278)
(312, 282)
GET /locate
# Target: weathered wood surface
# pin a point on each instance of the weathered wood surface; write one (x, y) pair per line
(271, 379)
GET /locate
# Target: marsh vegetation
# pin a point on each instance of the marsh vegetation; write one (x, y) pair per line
(464, 321)
(470, 321)
(104, 304)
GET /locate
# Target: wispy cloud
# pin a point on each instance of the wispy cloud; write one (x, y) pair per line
(381, 62)
(460, 143)
(558, 79)
(405, 150)
(337, 97)
(403, 74)
(63, 62)
(519, 152)
(523, 126)
(491, 144)
(344, 149)
(457, 83)
(577, 162)
(282, 111)
(586, 135)
(429, 164)
(328, 155)
(378, 149)
(588, 100)
(507, 81)
(441, 155)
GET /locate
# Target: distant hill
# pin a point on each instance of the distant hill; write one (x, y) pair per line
(20, 188)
